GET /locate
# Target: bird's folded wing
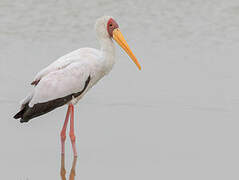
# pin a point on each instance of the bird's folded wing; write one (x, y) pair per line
(61, 63)
(61, 83)
(55, 66)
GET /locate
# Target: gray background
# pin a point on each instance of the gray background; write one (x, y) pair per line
(176, 119)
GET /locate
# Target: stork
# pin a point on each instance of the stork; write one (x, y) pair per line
(66, 80)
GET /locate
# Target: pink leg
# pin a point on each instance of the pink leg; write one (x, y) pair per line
(72, 135)
(63, 131)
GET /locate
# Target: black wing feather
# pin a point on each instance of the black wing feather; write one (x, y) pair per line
(39, 109)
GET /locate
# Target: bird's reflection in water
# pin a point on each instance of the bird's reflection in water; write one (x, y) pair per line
(63, 170)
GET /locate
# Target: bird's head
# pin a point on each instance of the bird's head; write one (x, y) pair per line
(107, 27)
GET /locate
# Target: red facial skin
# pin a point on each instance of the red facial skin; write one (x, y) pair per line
(111, 25)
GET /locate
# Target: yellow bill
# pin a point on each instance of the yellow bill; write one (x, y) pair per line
(119, 38)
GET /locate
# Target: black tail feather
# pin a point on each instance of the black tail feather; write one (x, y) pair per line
(21, 113)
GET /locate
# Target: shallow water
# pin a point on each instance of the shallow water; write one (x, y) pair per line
(176, 119)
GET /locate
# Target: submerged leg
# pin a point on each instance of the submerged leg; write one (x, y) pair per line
(72, 174)
(63, 170)
(72, 134)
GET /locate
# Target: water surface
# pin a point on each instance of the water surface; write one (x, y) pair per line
(176, 119)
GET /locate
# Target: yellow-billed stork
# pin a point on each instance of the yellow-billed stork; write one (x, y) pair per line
(66, 80)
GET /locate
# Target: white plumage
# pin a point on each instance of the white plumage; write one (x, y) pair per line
(68, 75)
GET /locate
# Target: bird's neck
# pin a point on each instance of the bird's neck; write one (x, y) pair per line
(106, 44)
(108, 52)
